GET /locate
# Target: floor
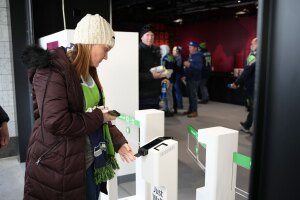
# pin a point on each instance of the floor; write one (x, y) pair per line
(190, 177)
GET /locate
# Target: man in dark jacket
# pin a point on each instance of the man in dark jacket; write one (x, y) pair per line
(193, 68)
(4, 135)
(247, 80)
(149, 82)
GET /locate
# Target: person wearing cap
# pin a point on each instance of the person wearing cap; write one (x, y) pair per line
(193, 67)
(176, 51)
(71, 151)
(149, 81)
(206, 70)
(4, 134)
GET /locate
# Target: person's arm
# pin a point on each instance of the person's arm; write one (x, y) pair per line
(120, 143)
(3, 116)
(146, 76)
(248, 71)
(116, 136)
(4, 134)
(57, 117)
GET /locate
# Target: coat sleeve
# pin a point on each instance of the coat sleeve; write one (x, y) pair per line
(248, 71)
(145, 76)
(58, 117)
(117, 137)
(3, 116)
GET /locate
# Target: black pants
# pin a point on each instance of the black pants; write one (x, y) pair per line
(249, 106)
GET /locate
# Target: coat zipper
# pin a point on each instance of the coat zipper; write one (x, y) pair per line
(48, 151)
(42, 110)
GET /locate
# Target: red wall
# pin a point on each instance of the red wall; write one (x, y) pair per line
(227, 39)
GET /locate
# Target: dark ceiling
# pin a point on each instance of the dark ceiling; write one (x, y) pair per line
(166, 11)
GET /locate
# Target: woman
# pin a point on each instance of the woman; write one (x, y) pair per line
(71, 150)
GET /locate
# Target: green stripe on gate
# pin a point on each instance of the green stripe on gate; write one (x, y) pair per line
(242, 160)
(194, 133)
(129, 120)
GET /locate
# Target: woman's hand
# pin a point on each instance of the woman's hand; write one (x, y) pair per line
(126, 153)
(107, 117)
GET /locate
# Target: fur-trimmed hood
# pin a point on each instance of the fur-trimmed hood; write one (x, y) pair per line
(36, 57)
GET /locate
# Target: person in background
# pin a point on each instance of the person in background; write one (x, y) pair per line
(4, 134)
(247, 79)
(206, 70)
(168, 61)
(177, 50)
(193, 68)
(71, 151)
(149, 82)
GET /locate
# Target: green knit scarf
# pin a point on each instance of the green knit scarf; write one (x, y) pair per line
(107, 172)
(92, 97)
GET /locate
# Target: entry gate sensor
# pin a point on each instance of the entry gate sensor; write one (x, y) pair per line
(143, 151)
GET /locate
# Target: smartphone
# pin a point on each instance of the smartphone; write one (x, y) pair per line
(114, 113)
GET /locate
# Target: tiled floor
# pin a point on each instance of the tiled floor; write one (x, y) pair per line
(11, 178)
(190, 177)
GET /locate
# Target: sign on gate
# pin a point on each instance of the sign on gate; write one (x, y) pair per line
(159, 193)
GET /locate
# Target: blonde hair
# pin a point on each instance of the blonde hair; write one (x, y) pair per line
(80, 57)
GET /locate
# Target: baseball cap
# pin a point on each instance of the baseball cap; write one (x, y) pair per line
(194, 44)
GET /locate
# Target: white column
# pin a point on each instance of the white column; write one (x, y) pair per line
(152, 125)
(220, 173)
(160, 169)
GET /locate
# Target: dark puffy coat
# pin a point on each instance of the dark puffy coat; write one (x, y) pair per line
(149, 56)
(55, 165)
(247, 78)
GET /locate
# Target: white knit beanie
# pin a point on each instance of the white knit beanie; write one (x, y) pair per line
(94, 29)
(165, 49)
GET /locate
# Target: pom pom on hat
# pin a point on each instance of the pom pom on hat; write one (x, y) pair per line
(94, 29)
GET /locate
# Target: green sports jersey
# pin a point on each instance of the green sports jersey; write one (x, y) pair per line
(91, 93)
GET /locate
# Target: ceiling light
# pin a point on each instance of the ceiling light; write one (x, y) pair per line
(149, 7)
(242, 12)
(239, 1)
(179, 20)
